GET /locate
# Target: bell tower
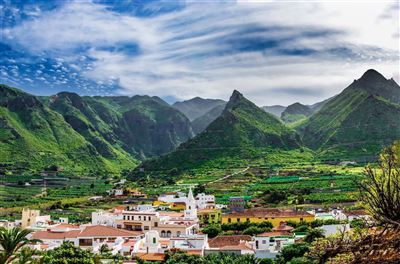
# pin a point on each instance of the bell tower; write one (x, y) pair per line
(191, 211)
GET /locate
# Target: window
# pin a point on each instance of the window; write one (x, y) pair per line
(168, 233)
(124, 217)
(156, 224)
(154, 240)
(301, 219)
(144, 218)
(264, 242)
(140, 217)
(238, 219)
(248, 219)
(163, 233)
(146, 227)
(149, 218)
(229, 220)
(178, 233)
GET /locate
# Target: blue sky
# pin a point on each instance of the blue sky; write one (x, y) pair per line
(275, 52)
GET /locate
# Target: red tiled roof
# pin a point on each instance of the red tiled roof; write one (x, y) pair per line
(151, 256)
(355, 212)
(223, 241)
(107, 231)
(194, 251)
(55, 235)
(241, 246)
(283, 227)
(89, 231)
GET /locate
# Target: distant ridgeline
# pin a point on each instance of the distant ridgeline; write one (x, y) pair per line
(353, 125)
(109, 134)
(85, 134)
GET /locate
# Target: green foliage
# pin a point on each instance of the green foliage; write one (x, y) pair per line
(293, 251)
(313, 234)
(67, 253)
(11, 241)
(179, 257)
(358, 122)
(242, 226)
(212, 230)
(254, 230)
(241, 134)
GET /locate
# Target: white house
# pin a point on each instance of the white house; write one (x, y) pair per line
(101, 217)
(270, 244)
(204, 201)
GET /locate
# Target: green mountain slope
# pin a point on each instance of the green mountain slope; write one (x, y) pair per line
(242, 134)
(32, 136)
(146, 126)
(358, 122)
(295, 112)
(143, 126)
(276, 110)
(196, 107)
(200, 123)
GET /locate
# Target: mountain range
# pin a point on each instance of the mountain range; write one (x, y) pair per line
(109, 134)
(86, 134)
(354, 125)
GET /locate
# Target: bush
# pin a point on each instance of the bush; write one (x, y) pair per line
(293, 251)
(212, 230)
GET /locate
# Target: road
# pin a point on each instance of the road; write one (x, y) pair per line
(227, 176)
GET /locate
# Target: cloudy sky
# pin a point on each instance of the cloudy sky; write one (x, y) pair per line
(274, 52)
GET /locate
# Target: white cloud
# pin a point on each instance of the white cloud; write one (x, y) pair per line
(191, 51)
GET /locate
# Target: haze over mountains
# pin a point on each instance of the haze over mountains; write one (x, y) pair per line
(108, 134)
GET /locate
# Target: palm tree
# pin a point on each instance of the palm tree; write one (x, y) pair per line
(25, 256)
(11, 240)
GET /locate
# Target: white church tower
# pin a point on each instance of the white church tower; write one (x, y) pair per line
(191, 211)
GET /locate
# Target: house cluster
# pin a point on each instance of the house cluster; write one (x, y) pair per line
(147, 231)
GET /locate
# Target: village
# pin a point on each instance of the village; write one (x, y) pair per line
(185, 222)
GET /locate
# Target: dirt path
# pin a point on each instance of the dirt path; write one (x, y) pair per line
(227, 176)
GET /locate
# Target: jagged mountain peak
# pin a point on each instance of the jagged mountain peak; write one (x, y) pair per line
(372, 75)
(235, 98)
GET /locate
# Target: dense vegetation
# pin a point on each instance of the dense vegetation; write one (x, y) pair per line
(85, 134)
(242, 133)
(358, 122)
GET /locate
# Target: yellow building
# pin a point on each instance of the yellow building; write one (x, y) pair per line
(275, 216)
(178, 206)
(209, 216)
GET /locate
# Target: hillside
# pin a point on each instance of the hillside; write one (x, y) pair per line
(202, 122)
(242, 134)
(197, 107)
(295, 112)
(146, 126)
(358, 122)
(33, 137)
(86, 134)
(276, 110)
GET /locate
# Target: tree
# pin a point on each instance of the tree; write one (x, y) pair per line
(68, 253)
(25, 256)
(380, 191)
(313, 234)
(11, 240)
(293, 251)
(212, 230)
(180, 257)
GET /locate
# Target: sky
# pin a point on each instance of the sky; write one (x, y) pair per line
(274, 52)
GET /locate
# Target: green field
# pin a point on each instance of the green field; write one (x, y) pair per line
(19, 195)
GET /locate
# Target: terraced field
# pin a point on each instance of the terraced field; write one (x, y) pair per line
(13, 192)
